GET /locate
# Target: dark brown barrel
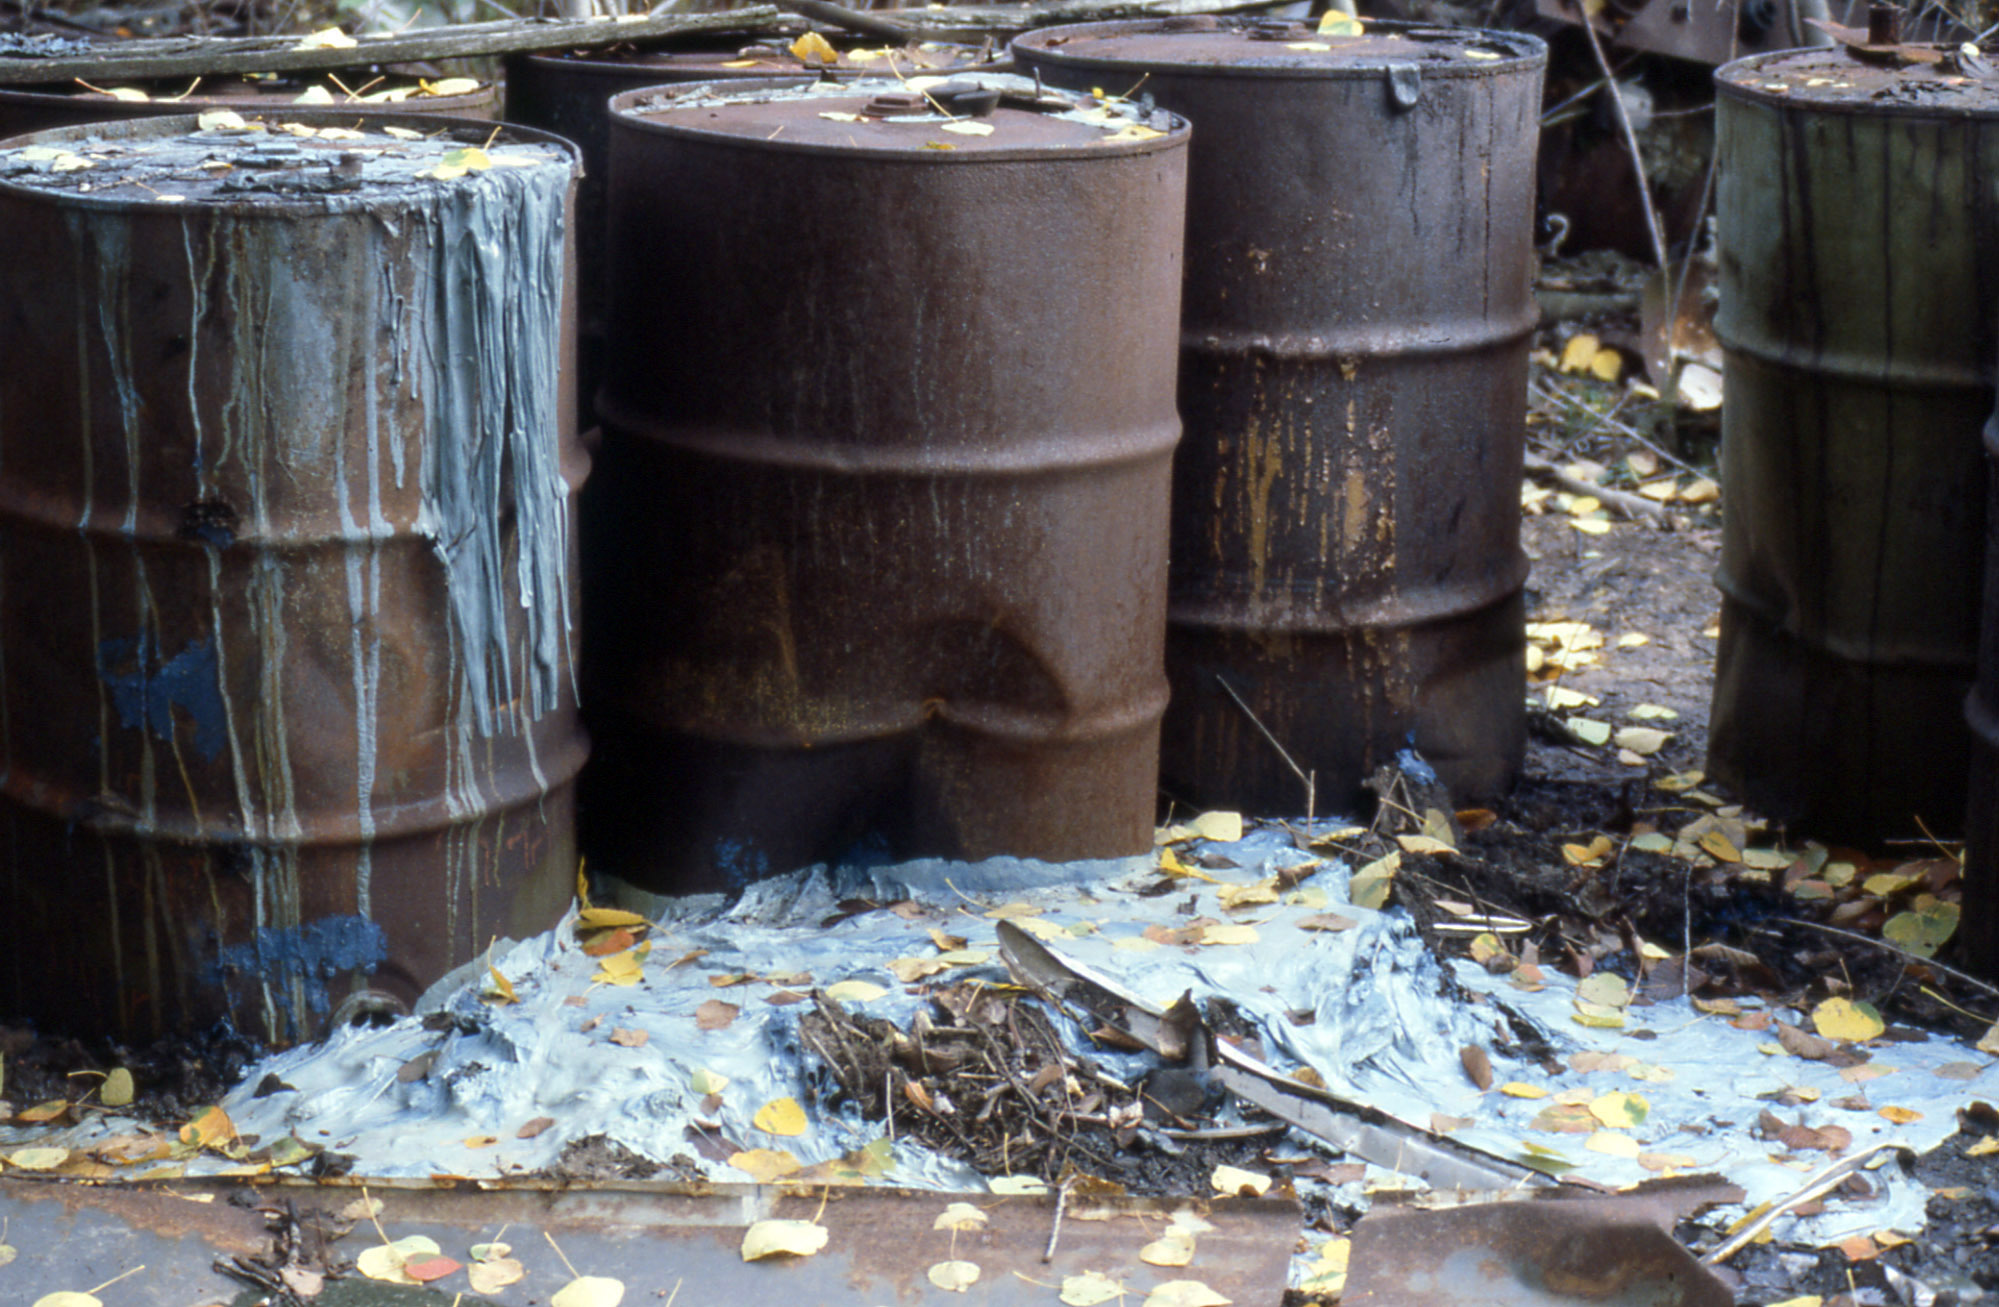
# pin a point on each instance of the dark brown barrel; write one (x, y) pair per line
(888, 429)
(26, 109)
(1980, 928)
(567, 93)
(1859, 242)
(1346, 534)
(285, 574)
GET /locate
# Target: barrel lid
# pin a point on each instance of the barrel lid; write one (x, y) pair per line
(248, 162)
(1206, 44)
(1919, 80)
(192, 95)
(969, 116)
(852, 57)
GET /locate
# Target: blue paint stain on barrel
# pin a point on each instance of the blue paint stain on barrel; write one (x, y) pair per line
(146, 688)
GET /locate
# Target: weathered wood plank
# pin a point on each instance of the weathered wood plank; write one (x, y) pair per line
(201, 56)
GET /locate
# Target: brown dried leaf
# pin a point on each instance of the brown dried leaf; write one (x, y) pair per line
(715, 1014)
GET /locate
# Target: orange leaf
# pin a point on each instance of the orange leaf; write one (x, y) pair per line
(611, 941)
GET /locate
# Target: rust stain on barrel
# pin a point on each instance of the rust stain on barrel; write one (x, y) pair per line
(878, 559)
(1857, 227)
(1354, 336)
(286, 705)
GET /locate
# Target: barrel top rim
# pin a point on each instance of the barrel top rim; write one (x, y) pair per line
(1754, 79)
(263, 204)
(601, 63)
(803, 100)
(67, 94)
(1429, 49)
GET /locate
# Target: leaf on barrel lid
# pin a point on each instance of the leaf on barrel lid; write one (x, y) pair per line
(589, 1291)
(954, 1276)
(425, 1269)
(1185, 1293)
(960, 1216)
(764, 1165)
(776, 1238)
(1240, 933)
(814, 48)
(1173, 1248)
(489, 1275)
(1336, 22)
(1090, 1289)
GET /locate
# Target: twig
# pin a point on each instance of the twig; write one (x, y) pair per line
(1632, 506)
(1886, 947)
(1630, 142)
(1055, 1227)
(1817, 1185)
(1622, 428)
(1310, 778)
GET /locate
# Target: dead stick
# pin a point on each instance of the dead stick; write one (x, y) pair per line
(1630, 143)
(1623, 428)
(1886, 947)
(1632, 506)
(1055, 1227)
(1310, 778)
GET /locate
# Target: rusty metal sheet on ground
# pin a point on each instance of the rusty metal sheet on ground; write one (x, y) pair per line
(1561, 1253)
(881, 1244)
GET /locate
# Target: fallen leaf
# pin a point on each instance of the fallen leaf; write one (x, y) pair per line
(1901, 1115)
(1090, 1289)
(764, 1165)
(1234, 1182)
(425, 1269)
(1336, 22)
(1184, 1293)
(854, 991)
(589, 1291)
(704, 1082)
(1245, 896)
(714, 1014)
(1370, 885)
(1620, 1111)
(1017, 1184)
(388, 1261)
(465, 86)
(782, 1238)
(1516, 1089)
(1799, 1042)
(1588, 730)
(911, 970)
(1843, 1019)
(494, 1274)
(960, 1216)
(1174, 1248)
(813, 47)
(38, 1159)
(117, 1089)
(1642, 740)
(954, 1276)
(780, 1116)
(208, 1129)
(619, 969)
(1477, 1064)
(1229, 934)
(1923, 931)
(625, 1037)
(326, 38)
(1424, 844)
(1328, 921)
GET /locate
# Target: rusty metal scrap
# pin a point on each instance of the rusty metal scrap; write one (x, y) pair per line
(1346, 569)
(897, 584)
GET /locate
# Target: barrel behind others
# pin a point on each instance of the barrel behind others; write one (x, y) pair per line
(286, 707)
(1347, 568)
(878, 569)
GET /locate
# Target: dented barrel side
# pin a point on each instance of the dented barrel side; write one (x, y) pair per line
(1347, 569)
(286, 699)
(882, 563)
(1859, 254)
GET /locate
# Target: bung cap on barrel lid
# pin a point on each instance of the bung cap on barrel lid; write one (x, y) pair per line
(329, 160)
(981, 115)
(1339, 45)
(1932, 81)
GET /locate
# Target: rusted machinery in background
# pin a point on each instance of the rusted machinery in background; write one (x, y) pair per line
(879, 545)
(1859, 251)
(286, 703)
(1346, 569)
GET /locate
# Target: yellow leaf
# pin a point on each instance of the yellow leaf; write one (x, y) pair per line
(1984, 1147)
(1719, 847)
(1184, 1293)
(448, 86)
(959, 1216)
(116, 1091)
(1839, 1018)
(965, 129)
(1589, 730)
(813, 46)
(1901, 1115)
(1606, 365)
(39, 1159)
(854, 991)
(211, 1127)
(1370, 885)
(501, 990)
(1606, 988)
(954, 1277)
(764, 1164)
(609, 918)
(589, 1291)
(1229, 934)
(311, 95)
(1597, 1015)
(1174, 1248)
(1559, 697)
(1232, 1181)
(619, 969)
(911, 970)
(326, 38)
(490, 1275)
(1090, 1289)
(1132, 132)
(1620, 1111)
(1515, 1089)
(1581, 855)
(1243, 896)
(1221, 827)
(1808, 1300)
(788, 1238)
(1989, 1041)
(1017, 1184)
(1580, 351)
(1613, 1145)
(1643, 740)
(1423, 844)
(780, 1116)
(1335, 23)
(1312, 46)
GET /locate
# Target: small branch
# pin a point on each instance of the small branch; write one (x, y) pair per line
(1903, 953)
(1630, 143)
(1309, 778)
(1622, 428)
(1633, 507)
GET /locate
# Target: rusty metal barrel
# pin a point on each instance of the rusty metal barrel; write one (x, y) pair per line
(568, 93)
(25, 109)
(1859, 248)
(286, 703)
(1980, 930)
(1347, 570)
(879, 561)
